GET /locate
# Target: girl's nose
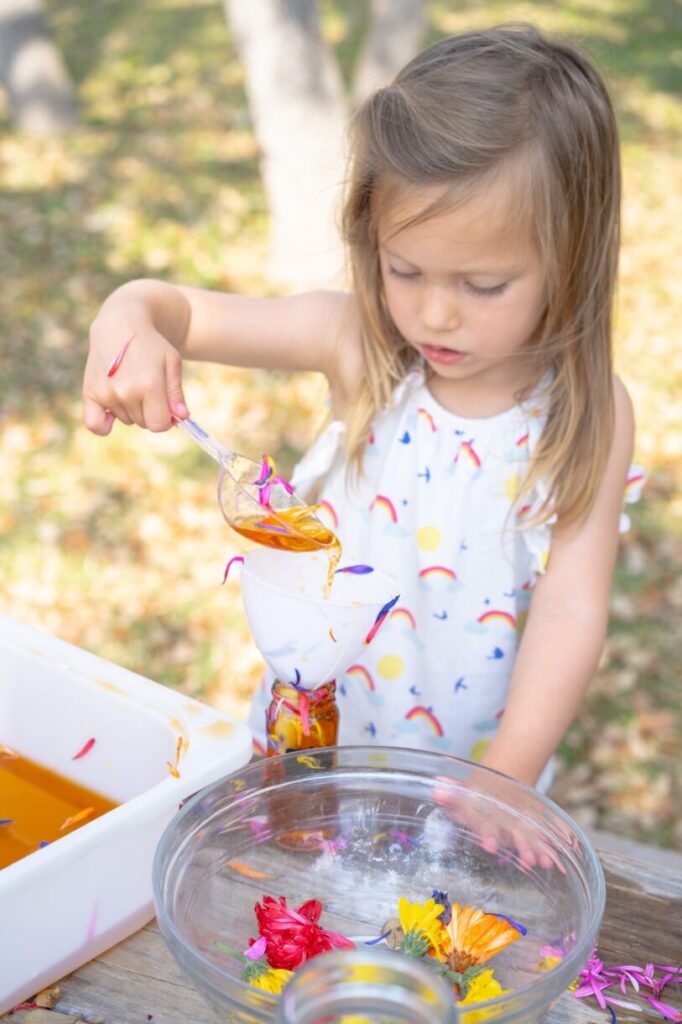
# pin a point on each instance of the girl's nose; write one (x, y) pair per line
(438, 308)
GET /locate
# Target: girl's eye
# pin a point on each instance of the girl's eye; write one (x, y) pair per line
(496, 289)
(403, 275)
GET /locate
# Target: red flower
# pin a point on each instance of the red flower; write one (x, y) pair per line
(294, 936)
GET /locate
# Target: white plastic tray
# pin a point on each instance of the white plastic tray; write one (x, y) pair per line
(71, 900)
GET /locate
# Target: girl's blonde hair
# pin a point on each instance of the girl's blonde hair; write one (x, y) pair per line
(466, 110)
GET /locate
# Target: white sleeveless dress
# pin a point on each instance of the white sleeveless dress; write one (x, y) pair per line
(434, 509)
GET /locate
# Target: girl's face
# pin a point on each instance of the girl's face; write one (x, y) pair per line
(465, 288)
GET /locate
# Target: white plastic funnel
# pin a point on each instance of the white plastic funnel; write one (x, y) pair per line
(304, 638)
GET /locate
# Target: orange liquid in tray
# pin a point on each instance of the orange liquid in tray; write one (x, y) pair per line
(38, 806)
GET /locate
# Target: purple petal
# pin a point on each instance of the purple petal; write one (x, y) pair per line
(357, 570)
(386, 609)
(271, 528)
(265, 473)
(515, 924)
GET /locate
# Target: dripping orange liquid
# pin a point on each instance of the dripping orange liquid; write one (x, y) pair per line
(42, 806)
(292, 529)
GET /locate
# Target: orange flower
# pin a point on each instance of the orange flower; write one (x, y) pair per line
(475, 936)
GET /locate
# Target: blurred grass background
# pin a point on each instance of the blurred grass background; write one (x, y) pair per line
(117, 545)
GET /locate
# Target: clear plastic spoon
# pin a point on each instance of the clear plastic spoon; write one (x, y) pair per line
(266, 511)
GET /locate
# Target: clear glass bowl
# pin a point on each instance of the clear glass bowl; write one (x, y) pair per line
(357, 828)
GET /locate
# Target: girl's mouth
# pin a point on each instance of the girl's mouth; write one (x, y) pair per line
(438, 354)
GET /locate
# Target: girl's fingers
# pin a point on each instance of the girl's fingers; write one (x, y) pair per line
(549, 858)
(155, 412)
(174, 392)
(96, 419)
(132, 409)
(120, 413)
(530, 850)
(527, 858)
(488, 837)
(138, 380)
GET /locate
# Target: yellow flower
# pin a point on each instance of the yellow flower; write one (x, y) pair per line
(424, 918)
(272, 980)
(549, 962)
(474, 936)
(483, 986)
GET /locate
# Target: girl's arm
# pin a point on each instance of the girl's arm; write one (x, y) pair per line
(169, 323)
(566, 627)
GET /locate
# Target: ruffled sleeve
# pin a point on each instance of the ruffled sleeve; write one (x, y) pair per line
(319, 459)
(538, 540)
(633, 492)
(327, 451)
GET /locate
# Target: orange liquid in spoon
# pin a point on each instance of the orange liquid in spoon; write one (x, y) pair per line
(292, 529)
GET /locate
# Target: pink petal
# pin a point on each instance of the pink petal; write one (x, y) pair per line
(283, 483)
(667, 1011)
(84, 750)
(236, 558)
(256, 951)
(624, 1004)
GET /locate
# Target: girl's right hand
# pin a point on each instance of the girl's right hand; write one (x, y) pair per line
(145, 389)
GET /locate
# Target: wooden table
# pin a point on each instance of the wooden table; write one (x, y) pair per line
(138, 982)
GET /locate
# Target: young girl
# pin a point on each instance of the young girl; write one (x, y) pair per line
(480, 444)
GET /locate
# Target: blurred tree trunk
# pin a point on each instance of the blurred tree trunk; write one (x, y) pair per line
(394, 36)
(299, 110)
(31, 69)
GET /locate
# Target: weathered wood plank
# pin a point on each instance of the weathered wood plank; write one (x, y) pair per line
(137, 982)
(643, 916)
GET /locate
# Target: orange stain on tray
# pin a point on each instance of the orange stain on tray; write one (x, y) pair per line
(219, 729)
(38, 806)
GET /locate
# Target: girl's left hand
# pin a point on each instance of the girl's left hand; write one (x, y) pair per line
(518, 841)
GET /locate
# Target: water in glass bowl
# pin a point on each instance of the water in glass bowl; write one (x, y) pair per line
(381, 823)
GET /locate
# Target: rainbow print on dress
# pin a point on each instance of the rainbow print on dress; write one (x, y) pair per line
(403, 615)
(437, 577)
(360, 672)
(469, 454)
(495, 615)
(383, 503)
(422, 714)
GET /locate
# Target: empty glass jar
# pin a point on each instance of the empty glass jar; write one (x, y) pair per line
(367, 987)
